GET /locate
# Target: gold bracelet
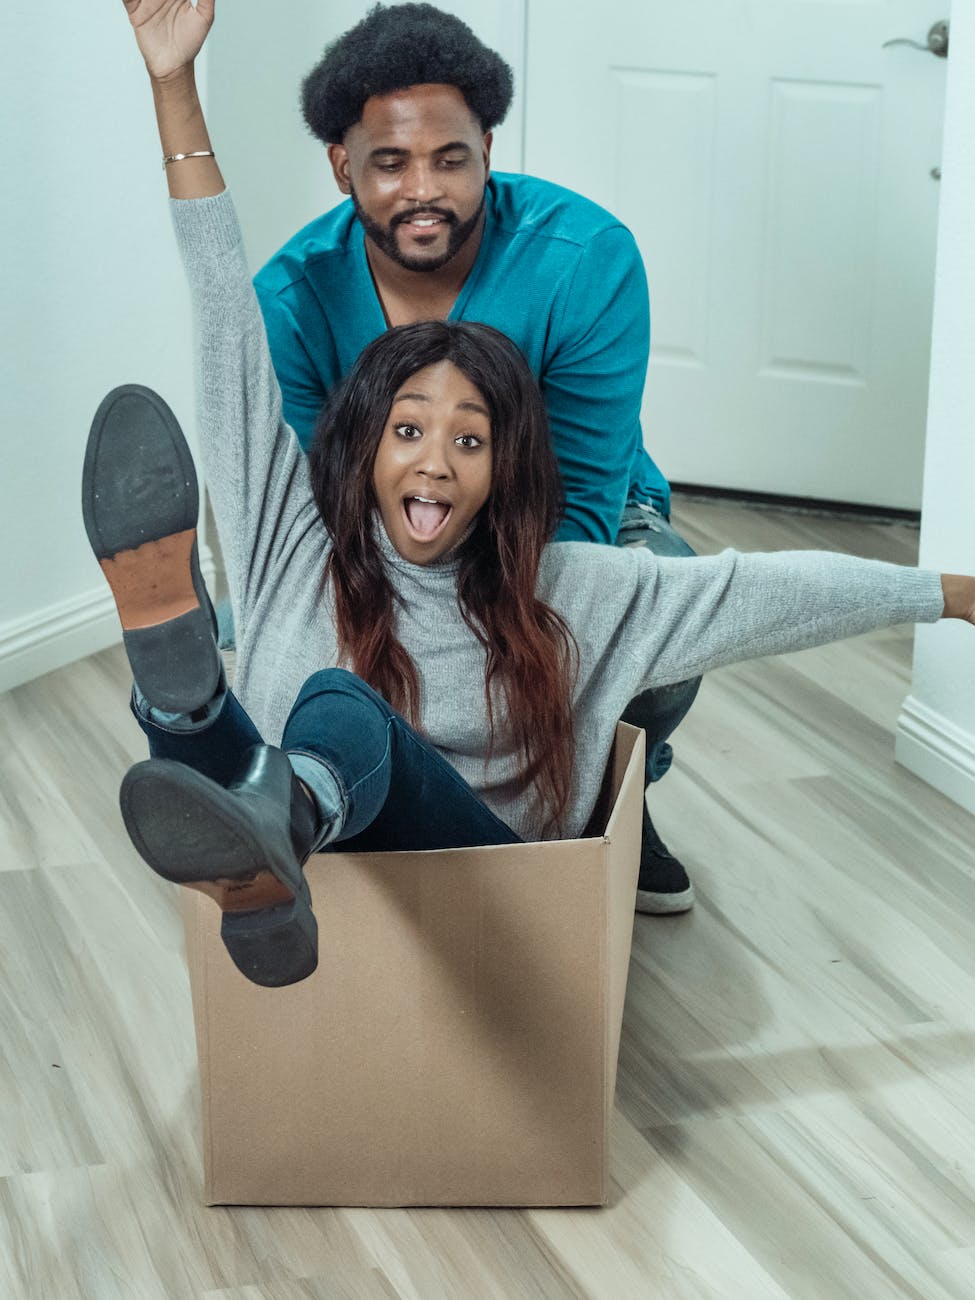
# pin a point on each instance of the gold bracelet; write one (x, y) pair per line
(178, 157)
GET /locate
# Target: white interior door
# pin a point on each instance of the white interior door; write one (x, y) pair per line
(775, 164)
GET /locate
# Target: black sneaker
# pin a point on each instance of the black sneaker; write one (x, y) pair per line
(663, 887)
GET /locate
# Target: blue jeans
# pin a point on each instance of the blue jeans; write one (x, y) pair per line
(657, 711)
(396, 791)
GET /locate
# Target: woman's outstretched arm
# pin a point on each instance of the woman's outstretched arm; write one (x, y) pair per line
(678, 618)
(170, 34)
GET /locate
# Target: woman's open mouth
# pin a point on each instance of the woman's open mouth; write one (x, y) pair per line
(425, 517)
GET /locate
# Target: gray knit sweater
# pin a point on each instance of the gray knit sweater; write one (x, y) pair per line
(639, 620)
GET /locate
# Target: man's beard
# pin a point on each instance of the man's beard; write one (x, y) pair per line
(384, 237)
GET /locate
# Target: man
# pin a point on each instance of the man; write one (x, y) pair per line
(405, 103)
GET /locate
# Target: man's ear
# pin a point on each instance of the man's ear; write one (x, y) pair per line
(338, 156)
(488, 141)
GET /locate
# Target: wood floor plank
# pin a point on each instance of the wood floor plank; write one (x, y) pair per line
(657, 1238)
(774, 1190)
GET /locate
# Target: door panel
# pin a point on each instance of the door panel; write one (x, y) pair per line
(774, 163)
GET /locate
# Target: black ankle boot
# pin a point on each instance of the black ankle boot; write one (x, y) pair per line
(244, 845)
(140, 504)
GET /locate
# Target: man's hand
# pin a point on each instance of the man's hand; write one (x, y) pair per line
(959, 594)
(170, 33)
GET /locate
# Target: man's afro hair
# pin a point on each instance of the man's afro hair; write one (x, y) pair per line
(392, 48)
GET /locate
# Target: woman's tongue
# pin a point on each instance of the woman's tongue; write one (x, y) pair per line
(425, 516)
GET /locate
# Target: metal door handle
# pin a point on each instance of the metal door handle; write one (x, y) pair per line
(937, 41)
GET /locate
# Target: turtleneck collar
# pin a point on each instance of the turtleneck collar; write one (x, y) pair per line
(447, 564)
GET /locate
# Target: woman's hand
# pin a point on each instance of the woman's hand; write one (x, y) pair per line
(959, 594)
(170, 33)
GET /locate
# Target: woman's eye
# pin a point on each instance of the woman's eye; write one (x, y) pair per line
(469, 440)
(407, 431)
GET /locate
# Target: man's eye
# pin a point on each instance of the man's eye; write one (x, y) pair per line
(451, 163)
(390, 166)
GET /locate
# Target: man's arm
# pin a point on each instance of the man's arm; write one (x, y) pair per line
(593, 388)
(302, 390)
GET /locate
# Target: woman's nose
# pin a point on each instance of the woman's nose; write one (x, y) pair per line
(432, 460)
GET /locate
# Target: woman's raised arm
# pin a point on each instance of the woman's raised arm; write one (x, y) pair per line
(170, 34)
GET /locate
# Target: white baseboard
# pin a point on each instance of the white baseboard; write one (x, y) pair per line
(49, 638)
(938, 751)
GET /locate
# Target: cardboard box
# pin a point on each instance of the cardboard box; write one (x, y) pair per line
(457, 1044)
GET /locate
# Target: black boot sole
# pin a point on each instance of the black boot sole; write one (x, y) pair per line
(193, 832)
(140, 504)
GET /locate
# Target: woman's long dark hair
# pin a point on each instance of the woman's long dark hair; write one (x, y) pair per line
(531, 654)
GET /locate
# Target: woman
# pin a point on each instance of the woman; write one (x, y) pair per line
(412, 550)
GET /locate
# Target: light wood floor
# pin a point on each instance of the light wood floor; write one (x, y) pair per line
(796, 1100)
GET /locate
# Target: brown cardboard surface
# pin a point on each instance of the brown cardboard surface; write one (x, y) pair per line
(457, 1044)
(622, 834)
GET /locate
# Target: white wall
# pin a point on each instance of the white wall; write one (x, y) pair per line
(936, 731)
(91, 296)
(278, 171)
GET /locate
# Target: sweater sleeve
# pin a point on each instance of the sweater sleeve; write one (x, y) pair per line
(593, 386)
(682, 617)
(255, 472)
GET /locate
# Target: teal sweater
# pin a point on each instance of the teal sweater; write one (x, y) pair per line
(556, 273)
